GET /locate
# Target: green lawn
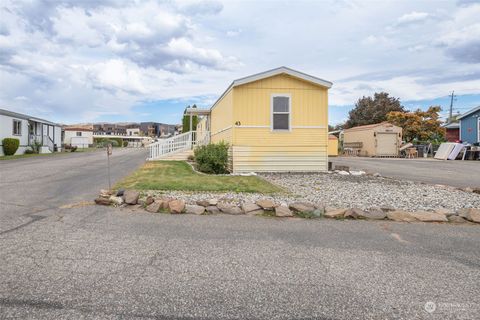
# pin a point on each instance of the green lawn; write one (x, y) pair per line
(179, 175)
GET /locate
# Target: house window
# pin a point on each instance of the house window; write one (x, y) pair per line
(281, 112)
(79, 133)
(17, 127)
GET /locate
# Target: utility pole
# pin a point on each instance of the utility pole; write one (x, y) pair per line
(451, 107)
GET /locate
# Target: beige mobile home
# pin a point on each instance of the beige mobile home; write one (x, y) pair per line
(374, 140)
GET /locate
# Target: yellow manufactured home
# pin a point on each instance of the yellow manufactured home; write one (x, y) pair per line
(274, 121)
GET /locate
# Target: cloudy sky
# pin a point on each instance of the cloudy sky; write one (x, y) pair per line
(115, 60)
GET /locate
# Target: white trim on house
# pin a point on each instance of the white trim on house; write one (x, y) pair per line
(478, 129)
(271, 73)
(469, 112)
(289, 112)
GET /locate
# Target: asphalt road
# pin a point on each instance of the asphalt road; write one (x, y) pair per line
(454, 173)
(74, 260)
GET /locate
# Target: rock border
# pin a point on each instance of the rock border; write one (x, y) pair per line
(267, 207)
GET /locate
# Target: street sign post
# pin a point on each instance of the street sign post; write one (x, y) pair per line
(109, 153)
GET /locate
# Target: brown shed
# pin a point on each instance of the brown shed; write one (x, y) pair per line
(374, 140)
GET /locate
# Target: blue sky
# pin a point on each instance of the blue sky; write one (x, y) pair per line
(136, 60)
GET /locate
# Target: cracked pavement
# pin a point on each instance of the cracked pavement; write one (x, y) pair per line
(62, 258)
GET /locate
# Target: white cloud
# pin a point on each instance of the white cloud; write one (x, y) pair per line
(413, 17)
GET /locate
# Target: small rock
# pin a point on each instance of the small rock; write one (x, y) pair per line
(194, 209)
(376, 174)
(476, 190)
(120, 192)
(203, 203)
(427, 216)
(212, 210)
(354, 213)
(229, 208)
(468, 189)
(400, 215)
(357, 173)
(258, 212)
(456, 219)
(176, 206)
(102, 201)
(283, 211)
(387, 208)
(343, 173)
(131, 196)
(445, 212)
(116, 200)
(249, 207)
(335, 213)
(213, 202)
(266, 204)
(153, 207)
(105, 193)
(374, 214)
(470, 214)
(303, 207)
(149, 200)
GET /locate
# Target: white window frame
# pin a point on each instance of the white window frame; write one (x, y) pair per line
(285, 95)
(14, 121)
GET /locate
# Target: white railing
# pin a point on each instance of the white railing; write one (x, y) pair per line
(181, 142)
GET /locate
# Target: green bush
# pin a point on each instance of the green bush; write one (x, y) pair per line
(125, 144)
(212, 158)
(103, 142)
(30, 151)
(10, 146)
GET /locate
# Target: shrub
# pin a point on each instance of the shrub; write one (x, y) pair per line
(103, 142)
(10, 146)
(29, 151)
(212, 158)
(125, 143)
(73, 149)
(36, 147)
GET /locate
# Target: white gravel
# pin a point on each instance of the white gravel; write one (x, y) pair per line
(368, 191)
(346, 191)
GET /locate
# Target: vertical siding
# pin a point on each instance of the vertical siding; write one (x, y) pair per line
(222, 119)
(469, 128)
(257, 148)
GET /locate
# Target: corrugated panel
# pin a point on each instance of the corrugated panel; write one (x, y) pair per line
(286, 158)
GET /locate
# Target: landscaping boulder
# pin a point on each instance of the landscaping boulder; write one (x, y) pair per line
(153, 207)
(120, 192)
(104, 193)
(213, 202)
(446, 212)
(212, 210)
(266, 204)
(258, 212)
(470, 214)
(335, 213)
(354, 213)
(103, 201)
(203, 203)
(400, 215)
(194, 209)
(283, 211)
(116, 200)
(302, 207)
(149, 200)
(131, 196)
(229, 208)
(373, 214)
(457, 219)
(427, 216)
(176, 206)
(250, 206)
(343, 173)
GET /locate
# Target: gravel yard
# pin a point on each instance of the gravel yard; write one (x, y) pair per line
(335, 190)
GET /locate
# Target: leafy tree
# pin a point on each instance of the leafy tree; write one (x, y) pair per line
(186, 121)
(370, 110)
(419, 125)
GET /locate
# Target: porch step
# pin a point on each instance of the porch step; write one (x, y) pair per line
(177, 156)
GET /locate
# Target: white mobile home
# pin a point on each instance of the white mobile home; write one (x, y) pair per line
(78, 137)
(29, 129)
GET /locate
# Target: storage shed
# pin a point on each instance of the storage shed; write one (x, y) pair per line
(374, 140)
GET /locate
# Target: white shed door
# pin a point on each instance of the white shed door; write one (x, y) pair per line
(387, 144)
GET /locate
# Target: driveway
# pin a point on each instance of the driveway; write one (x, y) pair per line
(454, 173)
(30, 186)
(62, 258)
